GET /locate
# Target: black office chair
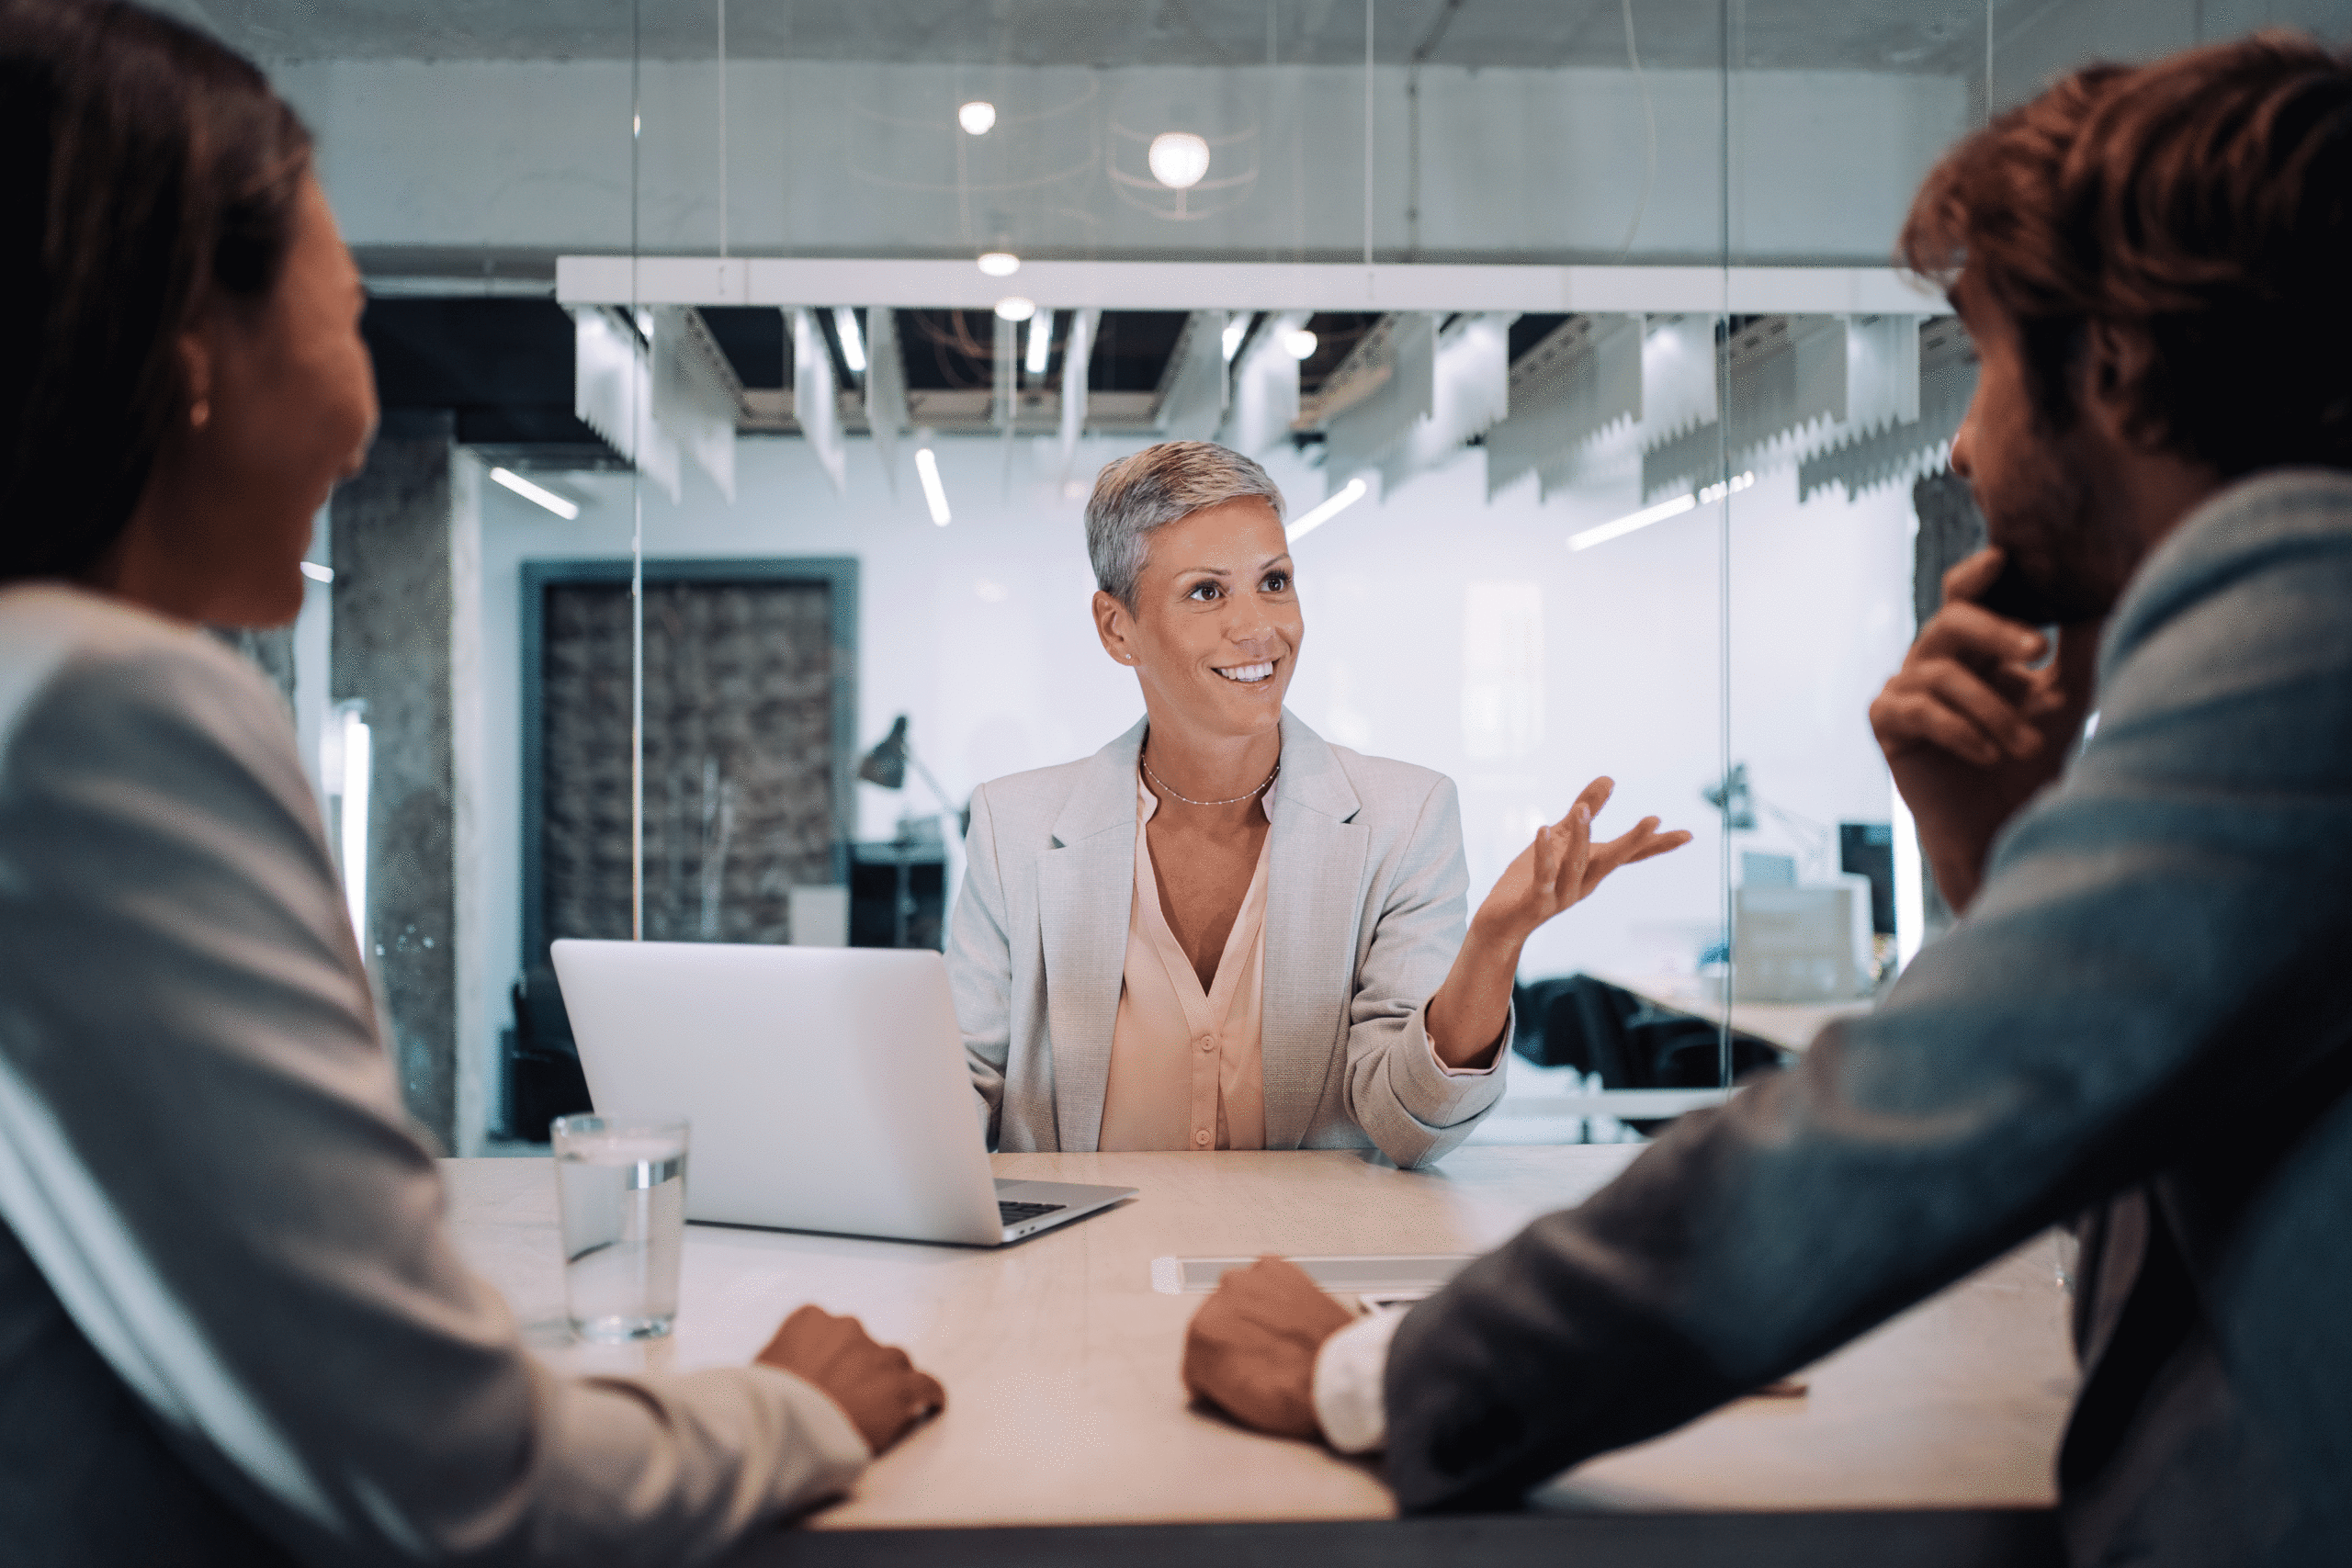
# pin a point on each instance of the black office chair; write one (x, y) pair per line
(1579, 1021)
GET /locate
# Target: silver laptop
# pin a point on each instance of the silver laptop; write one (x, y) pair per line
(827, 1087)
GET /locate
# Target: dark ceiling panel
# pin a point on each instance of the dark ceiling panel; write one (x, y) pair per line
(751, 337)
(502, 366)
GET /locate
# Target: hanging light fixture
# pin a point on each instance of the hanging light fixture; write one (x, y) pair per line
(1178, 159)
(978, 117)
(1299, 344)
(1016, 307)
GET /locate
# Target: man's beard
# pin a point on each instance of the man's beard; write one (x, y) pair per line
(2057, 548)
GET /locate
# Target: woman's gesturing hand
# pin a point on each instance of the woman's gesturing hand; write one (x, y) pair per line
(1563, 866)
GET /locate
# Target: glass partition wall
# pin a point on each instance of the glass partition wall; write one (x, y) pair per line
(746, 368)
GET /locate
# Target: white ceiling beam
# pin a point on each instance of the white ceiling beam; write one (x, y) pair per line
(1246, 285)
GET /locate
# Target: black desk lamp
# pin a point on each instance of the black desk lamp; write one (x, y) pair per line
(886, 765)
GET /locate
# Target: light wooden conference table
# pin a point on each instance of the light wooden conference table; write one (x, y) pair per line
(1060, 1357)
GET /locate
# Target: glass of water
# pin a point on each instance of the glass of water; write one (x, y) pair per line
(622, 1186)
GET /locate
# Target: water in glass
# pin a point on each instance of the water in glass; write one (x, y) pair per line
(623, 1191)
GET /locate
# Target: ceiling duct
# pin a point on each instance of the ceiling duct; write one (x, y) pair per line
(1193, 391)
(613, 394)
(1781, 374)
(1077, 352)
(1896, 451)
(886, 388)
(1360, 435)
(816, 400)
(1471, 394)
(697, 397)
(1265, 386)
(1578, 381)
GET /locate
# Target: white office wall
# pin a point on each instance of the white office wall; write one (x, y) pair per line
(979, 632)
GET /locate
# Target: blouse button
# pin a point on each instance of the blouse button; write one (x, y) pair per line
(1201, 1139)
(1207, 1043)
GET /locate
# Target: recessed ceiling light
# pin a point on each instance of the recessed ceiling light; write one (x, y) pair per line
(978, 117)
(1000, 263)
(1299, 342)
(1179, 159)
(1014, 308)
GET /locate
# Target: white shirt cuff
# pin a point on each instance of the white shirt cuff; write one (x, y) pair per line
(1348, 1402)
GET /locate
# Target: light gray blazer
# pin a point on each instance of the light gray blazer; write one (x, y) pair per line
(1364, 912)
(233, 1327)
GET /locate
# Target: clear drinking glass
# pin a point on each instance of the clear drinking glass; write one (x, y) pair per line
(621, 1183)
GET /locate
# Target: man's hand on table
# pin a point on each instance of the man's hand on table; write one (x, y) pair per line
(882, 1392)
(1251, 1348)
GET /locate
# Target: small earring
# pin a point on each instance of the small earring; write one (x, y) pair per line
(200, 413)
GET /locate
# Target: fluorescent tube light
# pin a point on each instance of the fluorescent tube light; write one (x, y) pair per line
(927, 469)
(1235, 331)
(318, 573)
(1910, 886)
(352, 786)
(567, 510)
(1349, 494)
(1658, 514)
(1000, 263)
(1041, 343)
(853, 344)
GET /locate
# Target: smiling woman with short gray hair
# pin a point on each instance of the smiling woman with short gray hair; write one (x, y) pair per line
(1221, 932)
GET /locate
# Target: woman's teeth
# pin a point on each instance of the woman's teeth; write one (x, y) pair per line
(1248, 674)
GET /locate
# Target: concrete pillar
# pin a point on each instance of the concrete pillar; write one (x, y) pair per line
(392, 648)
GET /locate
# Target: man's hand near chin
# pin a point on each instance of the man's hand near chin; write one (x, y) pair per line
(1972, 726)
(1250, 1350)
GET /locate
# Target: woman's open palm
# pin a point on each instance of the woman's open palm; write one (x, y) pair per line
(1563, 866)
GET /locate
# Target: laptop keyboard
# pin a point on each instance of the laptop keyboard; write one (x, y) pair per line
(1014, 1214)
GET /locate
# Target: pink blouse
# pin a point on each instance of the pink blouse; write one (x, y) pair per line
(1187, 1068)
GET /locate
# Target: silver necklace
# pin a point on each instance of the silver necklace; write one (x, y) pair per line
(1190, 801)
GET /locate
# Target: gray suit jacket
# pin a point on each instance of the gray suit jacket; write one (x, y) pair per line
(2149, 1010)
(1365, 913)
(234, 1327)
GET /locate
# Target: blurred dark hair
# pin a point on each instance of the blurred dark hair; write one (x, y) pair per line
(2200, 208)
(145, 171)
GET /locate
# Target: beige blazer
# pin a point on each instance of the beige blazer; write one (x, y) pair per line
(1365, 909)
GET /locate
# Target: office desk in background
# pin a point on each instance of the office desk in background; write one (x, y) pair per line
(1788, 1025)
(1060, 1359)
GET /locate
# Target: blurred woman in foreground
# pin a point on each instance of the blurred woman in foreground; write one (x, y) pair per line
(232, 1326)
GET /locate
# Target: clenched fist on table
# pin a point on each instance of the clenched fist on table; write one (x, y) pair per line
(877, 1386)
(1250, 1350)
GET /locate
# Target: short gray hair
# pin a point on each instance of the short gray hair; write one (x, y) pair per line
(1154, 487)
